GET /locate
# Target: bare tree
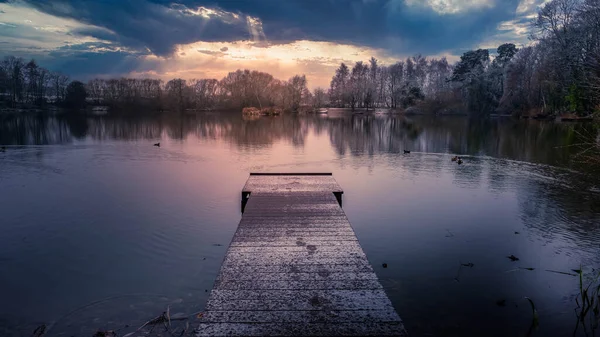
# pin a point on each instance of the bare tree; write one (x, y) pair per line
(177, 93)
(319, 98)
(14, 69)
(339, 86)
(297, 91)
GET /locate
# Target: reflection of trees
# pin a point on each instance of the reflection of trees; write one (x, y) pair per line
(262, 131)
(78, 125)
(124, 128)
(560, 205)
(366, 135)
(355, 134)
(32, 129)
(373, 134)
(531, 141)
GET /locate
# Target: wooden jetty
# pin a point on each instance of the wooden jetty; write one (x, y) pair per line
(295, 267)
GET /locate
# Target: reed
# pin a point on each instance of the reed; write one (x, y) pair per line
(535, 318)
(588, 305)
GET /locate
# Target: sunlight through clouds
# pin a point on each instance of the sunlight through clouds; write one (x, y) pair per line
(214, 60)
(24, 29)
(529, 7)
(516, 30)
(207, 13)
(451, 6)
(255, 29)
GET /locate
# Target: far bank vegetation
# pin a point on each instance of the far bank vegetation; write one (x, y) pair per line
(253, 92)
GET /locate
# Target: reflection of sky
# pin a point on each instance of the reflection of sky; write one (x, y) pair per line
(109, 216)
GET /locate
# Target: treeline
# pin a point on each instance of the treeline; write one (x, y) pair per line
(560, 73)
(26, 82)
(399, 85)
(239, 89)
(26, 85)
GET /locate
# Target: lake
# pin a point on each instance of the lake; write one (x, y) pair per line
(101, 229)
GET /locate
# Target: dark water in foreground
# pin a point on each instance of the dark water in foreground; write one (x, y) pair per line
(101, 229)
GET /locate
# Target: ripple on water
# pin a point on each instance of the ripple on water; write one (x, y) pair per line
(127, 215)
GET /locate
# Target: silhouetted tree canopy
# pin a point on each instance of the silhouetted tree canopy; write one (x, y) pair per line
(76, 95)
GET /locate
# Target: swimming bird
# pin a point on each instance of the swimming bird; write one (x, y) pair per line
(513, 258)
(455, 158)
(157, 144)
(406, 152)
(459, 161)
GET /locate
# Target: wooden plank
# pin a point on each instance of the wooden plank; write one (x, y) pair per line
(232, 284)
(300, 247)
(257, 241)
(292, 232)
(297, 300)
(305, 329)
(275, 267)
(291, 183)
(285, 242)
(301, 316)
(321, 275)
(296, 268)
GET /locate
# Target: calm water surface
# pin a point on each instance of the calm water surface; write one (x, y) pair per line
(101, 230)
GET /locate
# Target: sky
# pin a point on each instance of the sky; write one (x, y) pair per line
(207, 39)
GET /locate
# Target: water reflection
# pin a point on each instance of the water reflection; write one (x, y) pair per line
(162, 210)
(530, 141)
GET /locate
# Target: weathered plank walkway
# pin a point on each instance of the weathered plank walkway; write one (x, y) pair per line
(295, 267)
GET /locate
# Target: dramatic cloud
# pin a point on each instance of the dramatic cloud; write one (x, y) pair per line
(402, 26)
(452, 6)
(516, 30)
(24, 29)
(179, 37)
(156, 27)
(529, 6)
(318, 60)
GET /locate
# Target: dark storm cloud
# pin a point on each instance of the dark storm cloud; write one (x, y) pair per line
(144, 24)
(159, 25)
(388, 24)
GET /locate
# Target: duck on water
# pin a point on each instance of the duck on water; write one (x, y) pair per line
(457, 159)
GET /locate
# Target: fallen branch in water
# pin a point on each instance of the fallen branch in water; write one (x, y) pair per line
(157, 320)
(165, 318)
(40, 331)
(560, 272)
